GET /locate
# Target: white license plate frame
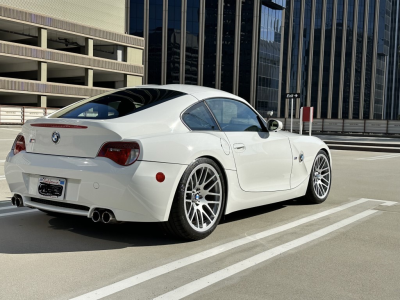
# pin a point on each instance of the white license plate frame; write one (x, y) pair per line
(49, 187)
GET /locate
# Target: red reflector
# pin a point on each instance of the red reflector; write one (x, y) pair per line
(51, 125)
(123, 153)
(19, 144)
(160, 177)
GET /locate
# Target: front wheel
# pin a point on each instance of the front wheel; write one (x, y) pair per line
(320, 181)
(199, 201)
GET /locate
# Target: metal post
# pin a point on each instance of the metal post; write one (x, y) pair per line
(301, 121)
(291, 116)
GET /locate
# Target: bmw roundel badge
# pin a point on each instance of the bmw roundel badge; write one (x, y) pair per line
(55, 137)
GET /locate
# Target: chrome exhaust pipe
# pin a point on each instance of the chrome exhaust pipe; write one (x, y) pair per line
(96, 216)
(13, 200)
(18, 201)
(108, 217)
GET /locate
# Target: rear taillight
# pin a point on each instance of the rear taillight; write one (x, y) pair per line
(123, 153)
(19, 144)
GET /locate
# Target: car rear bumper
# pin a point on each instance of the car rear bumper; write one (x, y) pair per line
(131, 192)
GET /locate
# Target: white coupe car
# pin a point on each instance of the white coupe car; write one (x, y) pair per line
(179, 154)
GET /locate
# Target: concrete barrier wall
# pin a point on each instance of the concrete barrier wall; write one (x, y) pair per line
(21, 114)
(345, 126)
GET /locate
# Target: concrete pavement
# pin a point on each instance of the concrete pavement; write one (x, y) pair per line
(44, 257)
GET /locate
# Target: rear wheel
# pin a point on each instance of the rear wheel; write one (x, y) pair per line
(320, 181)
(199, 201)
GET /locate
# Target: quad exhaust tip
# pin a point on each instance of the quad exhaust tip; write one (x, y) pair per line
(105, 216)
(16, 200)
(96, 217)
(108, 217)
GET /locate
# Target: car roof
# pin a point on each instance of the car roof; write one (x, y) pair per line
(199, 92)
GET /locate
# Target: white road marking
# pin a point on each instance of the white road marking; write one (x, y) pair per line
(379, 157)
(8, 207)
(1, 161)
(7, 139)
(17, 213)
(206, 281)
(2, 177)
(180, 263)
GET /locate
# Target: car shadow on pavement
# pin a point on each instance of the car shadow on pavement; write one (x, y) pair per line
(260, 210)
(40, 233)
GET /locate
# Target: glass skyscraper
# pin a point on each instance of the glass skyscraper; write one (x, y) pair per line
(336, 54)
(232, 45)
(340, 55)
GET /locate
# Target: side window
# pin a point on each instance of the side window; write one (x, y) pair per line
(198, 117)
(234, 115)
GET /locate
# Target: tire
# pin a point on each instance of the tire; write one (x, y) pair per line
(199, 201)
(320, 181)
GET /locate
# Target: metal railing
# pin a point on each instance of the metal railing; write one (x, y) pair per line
(345, 126)
(18, 115)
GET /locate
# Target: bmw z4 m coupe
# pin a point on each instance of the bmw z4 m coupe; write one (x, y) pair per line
(179, 154)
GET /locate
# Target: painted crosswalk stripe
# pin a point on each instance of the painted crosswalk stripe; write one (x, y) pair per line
(180, 263)
(213, 278)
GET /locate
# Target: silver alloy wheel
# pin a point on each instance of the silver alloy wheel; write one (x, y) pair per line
(321, 176)
(203, 197)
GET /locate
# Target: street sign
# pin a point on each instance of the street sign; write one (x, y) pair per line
(292, 95)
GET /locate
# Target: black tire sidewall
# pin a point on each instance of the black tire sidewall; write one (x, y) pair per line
(179, 202)
(311, 196)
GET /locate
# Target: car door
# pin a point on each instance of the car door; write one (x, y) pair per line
(263, 159)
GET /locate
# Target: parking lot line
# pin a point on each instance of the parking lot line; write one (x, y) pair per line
(8, 207)
(215, 277)
(150, 274)
(379, 157)
(17, 213)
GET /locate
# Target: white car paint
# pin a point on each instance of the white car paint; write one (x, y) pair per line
(268, 170)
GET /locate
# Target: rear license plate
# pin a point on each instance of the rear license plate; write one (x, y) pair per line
(51, 187)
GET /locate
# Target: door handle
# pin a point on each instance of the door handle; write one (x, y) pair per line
(239, 147)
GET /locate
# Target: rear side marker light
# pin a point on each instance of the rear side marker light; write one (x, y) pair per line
(160, 177)
(123, 153)
(19, 144)
(51, 125)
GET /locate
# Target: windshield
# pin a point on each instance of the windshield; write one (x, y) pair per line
(118, 104)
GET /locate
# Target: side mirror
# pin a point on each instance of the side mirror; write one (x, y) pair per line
(274, 125)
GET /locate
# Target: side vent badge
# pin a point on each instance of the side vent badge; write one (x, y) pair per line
(301, 158)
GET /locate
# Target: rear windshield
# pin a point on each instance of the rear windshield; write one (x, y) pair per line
(117, 105)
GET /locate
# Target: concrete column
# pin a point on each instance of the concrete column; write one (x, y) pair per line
(183, 42)
(42, 66)
(42, 37)
(88, 47)
(41, 101)
(332, 59)
(132, 80)
(89, 77)
(364, 60)
(202, 19)
(342, 59)
(353, 61)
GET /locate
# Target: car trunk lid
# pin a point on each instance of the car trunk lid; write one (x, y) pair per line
(67, 137)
